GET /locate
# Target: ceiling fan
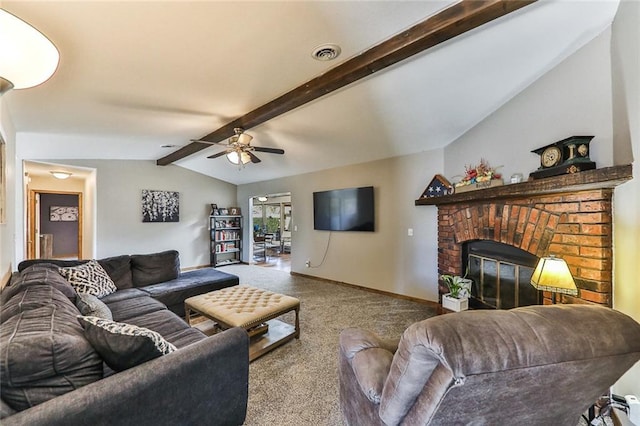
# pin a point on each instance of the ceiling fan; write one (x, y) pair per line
(239, 150)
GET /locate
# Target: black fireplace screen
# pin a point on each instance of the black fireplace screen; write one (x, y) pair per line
(501, 274)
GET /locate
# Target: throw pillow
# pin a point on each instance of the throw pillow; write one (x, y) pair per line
(90, 305)
(121, 345)
(89, 278)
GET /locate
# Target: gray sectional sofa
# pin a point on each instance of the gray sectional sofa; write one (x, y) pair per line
(53, 373)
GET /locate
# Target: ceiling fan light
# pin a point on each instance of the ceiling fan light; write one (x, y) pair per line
(27, 57)
(233, 157)
(238, 157)
(244, 138)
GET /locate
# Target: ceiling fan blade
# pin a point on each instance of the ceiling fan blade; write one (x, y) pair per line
(217, 154)
(269, 150)
(254, 159)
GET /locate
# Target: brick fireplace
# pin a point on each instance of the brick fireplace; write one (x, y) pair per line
(568, 216)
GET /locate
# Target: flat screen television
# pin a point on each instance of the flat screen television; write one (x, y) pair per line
(350, 209)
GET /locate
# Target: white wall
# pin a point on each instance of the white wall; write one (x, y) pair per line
(118, 214)
(626, 99)
(8, 229)
(572, 99)
(387, 259)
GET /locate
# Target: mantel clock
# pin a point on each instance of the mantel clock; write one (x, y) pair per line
(569, 155)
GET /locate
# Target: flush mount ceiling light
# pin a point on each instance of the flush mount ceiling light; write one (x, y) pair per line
(60, 174)
(326, 52)
(27, 57)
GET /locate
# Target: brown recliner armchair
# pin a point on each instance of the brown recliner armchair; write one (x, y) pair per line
(536, 365)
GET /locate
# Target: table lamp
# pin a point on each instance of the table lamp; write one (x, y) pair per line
(552, 274)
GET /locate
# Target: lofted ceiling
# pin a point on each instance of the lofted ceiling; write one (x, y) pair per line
(137, 75)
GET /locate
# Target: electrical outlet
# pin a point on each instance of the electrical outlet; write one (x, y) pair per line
(307, 263)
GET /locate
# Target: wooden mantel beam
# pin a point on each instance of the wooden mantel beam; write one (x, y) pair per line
(445, 25)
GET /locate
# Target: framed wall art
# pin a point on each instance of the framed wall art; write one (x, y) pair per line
(63, 214)
(160, 206)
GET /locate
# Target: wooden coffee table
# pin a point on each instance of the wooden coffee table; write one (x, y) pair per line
(251, 308)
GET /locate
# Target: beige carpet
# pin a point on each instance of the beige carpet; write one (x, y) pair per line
(297, 384)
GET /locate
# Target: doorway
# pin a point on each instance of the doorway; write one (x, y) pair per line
(55, 225)
(270, 221)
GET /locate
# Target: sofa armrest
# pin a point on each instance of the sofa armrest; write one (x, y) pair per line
(203, 383)
(354, 340)
(370, 358)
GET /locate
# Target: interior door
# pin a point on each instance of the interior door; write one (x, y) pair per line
(55, 225)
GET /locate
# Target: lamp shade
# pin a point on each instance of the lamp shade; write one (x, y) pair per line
(27, 57)
(244, 138)
(552, 274)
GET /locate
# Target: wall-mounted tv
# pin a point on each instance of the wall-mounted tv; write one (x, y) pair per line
(350, 209)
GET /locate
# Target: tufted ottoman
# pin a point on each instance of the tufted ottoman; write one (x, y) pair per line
(254, 310)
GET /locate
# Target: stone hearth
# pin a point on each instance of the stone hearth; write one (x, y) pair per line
(569, 216)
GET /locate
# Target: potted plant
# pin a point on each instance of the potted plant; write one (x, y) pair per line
(459, 291)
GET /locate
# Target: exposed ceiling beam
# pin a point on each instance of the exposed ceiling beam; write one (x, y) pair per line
(445, 25)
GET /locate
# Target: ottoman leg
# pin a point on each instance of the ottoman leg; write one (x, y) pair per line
(297, 335)
(187, 314)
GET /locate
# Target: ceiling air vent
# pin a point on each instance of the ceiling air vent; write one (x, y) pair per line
(326, 52)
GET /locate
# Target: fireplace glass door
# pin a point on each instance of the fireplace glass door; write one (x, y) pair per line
(501, 275)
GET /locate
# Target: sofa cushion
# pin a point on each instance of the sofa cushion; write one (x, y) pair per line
(122, 345)
(119, 269)
(89, 278)
(185, 337)
(43, 273)
(45, 354)
(191, 283)
(34, 296)
(57, 262)
(154, 268)
(5, 409)
(125, 309)
(171, 327)
(126, 294)
(90, 305)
